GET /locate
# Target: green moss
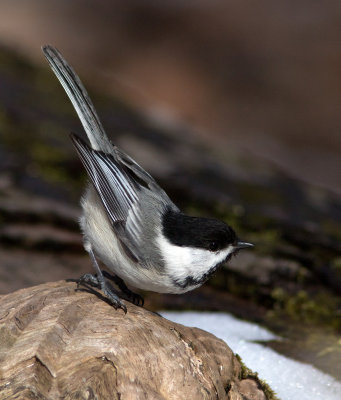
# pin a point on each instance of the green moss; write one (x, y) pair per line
(247, 373)
(336, 265)
(269, 393)
(265, 241)
(331, 228)
(232, 283)
(48, 162)
(318, 309)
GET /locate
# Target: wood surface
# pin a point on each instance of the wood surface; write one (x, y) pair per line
(59, 343)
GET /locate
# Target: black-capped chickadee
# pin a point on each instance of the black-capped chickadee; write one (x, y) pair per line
(129, 222)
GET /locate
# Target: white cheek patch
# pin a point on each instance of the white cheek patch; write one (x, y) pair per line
(184, 262)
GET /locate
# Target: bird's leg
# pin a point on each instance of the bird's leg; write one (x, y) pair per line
(135, 298)
(99, 281)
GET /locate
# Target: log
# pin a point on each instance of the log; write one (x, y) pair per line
(56, 342)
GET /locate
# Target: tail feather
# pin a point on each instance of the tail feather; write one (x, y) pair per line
(79, 98)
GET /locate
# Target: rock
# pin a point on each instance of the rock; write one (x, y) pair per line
(56, 342)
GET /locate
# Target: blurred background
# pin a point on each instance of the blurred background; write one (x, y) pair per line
(232, 106)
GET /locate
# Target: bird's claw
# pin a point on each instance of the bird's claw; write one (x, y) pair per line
(136, 299)
(107, 289)
(110, 294)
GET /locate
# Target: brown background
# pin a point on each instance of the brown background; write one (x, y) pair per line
(262, 77)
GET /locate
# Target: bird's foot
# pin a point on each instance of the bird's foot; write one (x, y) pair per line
(134, 297)
(110, 294)
(105, 286)
(88, 279)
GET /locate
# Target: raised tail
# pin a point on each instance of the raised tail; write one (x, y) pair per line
(79, 98)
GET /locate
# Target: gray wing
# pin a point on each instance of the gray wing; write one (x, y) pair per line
(79, 98)
(126, 191)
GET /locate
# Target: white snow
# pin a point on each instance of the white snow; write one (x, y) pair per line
(291, 380)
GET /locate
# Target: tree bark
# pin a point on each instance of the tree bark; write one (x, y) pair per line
(58, 343)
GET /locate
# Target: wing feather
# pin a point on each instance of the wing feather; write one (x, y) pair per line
(113, 185)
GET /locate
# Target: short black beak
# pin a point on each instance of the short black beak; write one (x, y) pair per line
(243, 245)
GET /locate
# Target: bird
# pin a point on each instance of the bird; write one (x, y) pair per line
(128, 221)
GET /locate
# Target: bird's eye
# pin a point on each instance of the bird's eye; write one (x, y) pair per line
(213, 246)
